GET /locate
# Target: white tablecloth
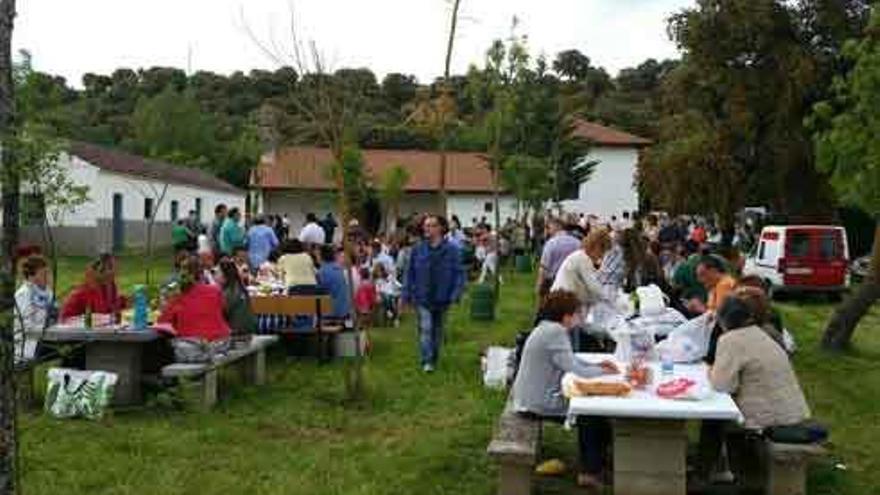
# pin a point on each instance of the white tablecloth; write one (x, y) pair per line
(647, 405)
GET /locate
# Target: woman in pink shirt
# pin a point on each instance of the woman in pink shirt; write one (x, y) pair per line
(196, 314)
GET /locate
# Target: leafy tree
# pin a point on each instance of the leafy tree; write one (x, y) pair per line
(393, 188)
(172, 127)
(848, 151)
(745, 83)
(572, 65)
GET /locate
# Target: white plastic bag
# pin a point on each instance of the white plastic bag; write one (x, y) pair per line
(75, 393)
(652, 301)
(634, 344)
(688, 342)
(662, 324)
(496, 369)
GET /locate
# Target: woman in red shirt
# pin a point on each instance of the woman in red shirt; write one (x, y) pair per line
(196, 314)
(97, 293)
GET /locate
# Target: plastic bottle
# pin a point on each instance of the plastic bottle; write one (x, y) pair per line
(667, 365)
(140, 308)
(87, 317)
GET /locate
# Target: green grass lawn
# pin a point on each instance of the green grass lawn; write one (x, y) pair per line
(414, 433)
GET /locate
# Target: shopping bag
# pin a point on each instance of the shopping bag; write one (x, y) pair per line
(688, 342)
(497, 367)
(75, 393)
(634, 344)
(652, 300)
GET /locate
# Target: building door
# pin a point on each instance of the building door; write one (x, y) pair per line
(118, 224)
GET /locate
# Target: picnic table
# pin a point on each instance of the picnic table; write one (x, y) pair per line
(649, 432)
(117, 349)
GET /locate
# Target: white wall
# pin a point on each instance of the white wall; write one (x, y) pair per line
(135, 190)
(469, 206)
(611, 188)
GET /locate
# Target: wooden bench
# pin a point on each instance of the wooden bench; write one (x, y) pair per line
(252, 359)
(787, 466)
(515, 446)
(317, 306)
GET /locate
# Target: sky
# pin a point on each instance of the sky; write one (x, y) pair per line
(71, 38)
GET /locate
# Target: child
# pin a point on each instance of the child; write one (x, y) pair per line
(240, 257)
(365, 296)
(389, 292)
(269, 271)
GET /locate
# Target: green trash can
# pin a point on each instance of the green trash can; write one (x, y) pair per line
(482, 303)
(524, 263)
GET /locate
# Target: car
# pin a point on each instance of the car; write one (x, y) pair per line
(801, 258)
(861, 268)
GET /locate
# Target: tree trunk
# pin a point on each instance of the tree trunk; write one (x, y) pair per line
(443, 130)
(843, 323)
(10, 192)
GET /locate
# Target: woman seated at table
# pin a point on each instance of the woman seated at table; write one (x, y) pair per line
(98, 293)
(237, 303)
(196, 315)
(297, 266)
(34, 306)
(755, 370)
(537, 391)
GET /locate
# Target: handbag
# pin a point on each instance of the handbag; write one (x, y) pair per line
(75, 393)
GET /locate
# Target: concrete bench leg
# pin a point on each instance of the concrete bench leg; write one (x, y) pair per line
(650, 457)
(254, 368)
(209, 390)
(787, 476)
(24, 379)
(514, 477)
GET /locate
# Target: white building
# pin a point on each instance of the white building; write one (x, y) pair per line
(296, 181)
(123, 190)
(611, 189)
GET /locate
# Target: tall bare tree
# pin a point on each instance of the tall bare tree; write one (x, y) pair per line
(446, 98)
(10, 192)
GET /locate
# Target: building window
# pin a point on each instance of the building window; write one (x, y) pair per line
(148, 208)
(487, 207)
(175, 211)
(199, 209)
(33, 209)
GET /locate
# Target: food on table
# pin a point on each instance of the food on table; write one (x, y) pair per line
(678, 388)
(553, 467)
(639, 376)
(584, 388)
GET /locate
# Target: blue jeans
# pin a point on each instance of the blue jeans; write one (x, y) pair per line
(430, 333)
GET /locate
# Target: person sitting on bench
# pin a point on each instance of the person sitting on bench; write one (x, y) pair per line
(547, 355)
(753, 368)
(196, 314)
(35, 306)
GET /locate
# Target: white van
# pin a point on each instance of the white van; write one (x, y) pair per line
(801, 258)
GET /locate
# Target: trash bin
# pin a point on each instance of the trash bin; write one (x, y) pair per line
(523, 263)
(482, 302)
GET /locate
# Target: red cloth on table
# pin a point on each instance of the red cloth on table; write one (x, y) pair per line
(102, 299)
(197, 313)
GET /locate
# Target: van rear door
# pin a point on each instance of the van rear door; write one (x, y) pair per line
(815, 257)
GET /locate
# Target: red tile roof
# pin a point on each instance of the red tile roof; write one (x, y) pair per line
(121, 162)
(601, 135)
(308, 168)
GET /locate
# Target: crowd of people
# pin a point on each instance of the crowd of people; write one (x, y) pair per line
(584, 264)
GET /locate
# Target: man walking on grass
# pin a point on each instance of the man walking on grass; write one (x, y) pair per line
(434, 280)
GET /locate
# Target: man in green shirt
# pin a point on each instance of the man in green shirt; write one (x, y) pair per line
(231, 234)
(180, 236)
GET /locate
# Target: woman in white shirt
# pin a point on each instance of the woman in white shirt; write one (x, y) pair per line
(577, 273)
(34, 306)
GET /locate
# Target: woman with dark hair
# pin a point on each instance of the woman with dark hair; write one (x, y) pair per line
(546, 357)
(237, 304)
(98, 293)
(196, 315)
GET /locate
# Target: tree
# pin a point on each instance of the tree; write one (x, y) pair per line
(847, 150)
(171, 127)
(9, 187)
(393, 187)
(736, 104)
(572, 65)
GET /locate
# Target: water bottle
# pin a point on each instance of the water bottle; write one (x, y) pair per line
(140, 308)
(667, 365)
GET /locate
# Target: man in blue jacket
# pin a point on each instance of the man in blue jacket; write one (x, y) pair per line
(434, 280)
